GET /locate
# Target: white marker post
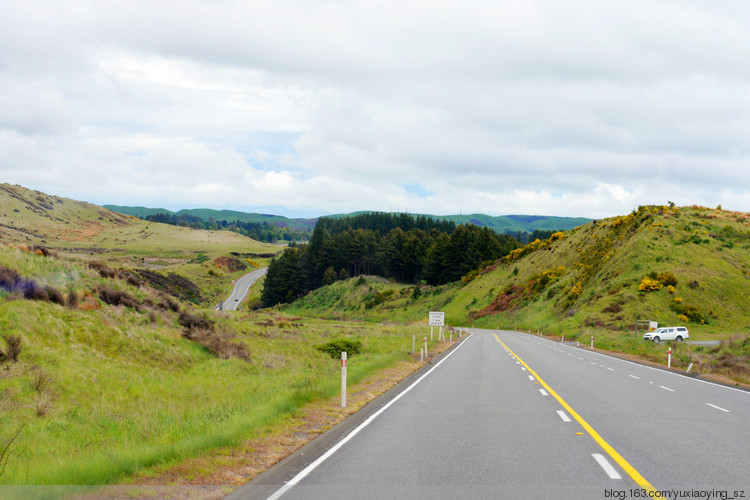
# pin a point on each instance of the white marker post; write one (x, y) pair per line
(425, 347)
(421, 354)
(343, 379)
(563, 338)
(592, 341)
(431, 327)
(669, 358)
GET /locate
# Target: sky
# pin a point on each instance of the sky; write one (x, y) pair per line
(304, 108)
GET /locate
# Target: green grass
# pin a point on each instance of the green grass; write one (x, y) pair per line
(126, 391)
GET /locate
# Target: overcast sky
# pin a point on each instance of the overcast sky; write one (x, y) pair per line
(304, 108)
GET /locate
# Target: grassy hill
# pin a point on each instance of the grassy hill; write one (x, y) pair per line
(89, 232)
(588, 281)
(227, 215)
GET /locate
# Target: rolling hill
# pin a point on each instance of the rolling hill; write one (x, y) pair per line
(688, 266)
(500, 224)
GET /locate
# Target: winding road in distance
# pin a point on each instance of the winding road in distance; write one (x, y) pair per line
(241, 288)
(511, 415)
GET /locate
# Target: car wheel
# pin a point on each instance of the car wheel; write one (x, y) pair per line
(657, 340)
(678, 339)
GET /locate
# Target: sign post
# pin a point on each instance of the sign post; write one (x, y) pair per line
(343, 379)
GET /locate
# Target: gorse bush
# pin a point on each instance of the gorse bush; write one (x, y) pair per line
(334, 348)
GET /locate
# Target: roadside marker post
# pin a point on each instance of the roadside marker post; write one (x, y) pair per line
(563, 338)
(451, 340)
(669, 358)
(592, 341)
(421, 354)
(343, 379)
(425, 347)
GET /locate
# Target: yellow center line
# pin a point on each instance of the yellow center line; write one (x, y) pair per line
(640, 480)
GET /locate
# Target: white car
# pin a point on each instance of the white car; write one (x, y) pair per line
(678, 333)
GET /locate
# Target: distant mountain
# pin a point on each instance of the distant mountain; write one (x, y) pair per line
(227, 215)
(500, 223)
(508, 223)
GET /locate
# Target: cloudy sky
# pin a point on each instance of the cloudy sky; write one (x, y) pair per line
(309, 107)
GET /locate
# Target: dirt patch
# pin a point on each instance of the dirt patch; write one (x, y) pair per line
(501, 303)
(229, 264)
(210, 476)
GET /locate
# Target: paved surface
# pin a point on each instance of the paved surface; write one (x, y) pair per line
(510, 415)
(241, 288)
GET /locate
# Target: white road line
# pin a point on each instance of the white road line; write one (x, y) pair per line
(633, 376)
(610, 369)
(307, 470)
(522, 368)
(544, 393)
(611, 472)
(531, 377)
(666, 388)
(718, 407)
(563, 416)
(518, 362)
(592, 363)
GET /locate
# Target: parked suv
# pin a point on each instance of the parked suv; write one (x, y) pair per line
(678, 333)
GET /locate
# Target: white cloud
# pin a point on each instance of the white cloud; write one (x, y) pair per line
(584, 108)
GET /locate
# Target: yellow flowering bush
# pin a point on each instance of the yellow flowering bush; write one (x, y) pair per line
(649, 285)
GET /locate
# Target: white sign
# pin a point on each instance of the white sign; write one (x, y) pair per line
(437, 318)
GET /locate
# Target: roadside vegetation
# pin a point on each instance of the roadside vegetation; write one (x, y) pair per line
(124, 377)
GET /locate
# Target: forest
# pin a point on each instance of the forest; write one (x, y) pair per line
(262, 231)
(400, 246)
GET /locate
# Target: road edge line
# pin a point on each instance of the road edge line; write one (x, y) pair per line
(325, 456)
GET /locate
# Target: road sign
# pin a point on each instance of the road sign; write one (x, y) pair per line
(437, 318)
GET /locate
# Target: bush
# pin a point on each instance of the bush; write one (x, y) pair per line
(667, 279)
(14, 348)
(649, 284)
(218, 343)
(193, 322)
(334, 348)
(117, 298)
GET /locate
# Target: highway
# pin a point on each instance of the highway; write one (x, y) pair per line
(241, 288)
(511, 415)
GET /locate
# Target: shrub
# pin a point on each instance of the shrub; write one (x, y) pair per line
(334, 348)
(379, 298)
(693, 284)
(193, 322)
(649, 284)
(670, 289)
(683, 318)
(667, 279)
(117, 298)
(14, 348)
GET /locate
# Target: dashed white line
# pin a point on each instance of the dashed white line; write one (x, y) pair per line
(718, 408)
(666, 388)
(610, 369)
(544, 393)
(522, 368)
(563, 416)
(592, 363)
(611, 472)
(633, 376)
(531, 377)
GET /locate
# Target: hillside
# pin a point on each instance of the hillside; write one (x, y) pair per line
(84, 231)
(227, 215)
(586, 282)
(500, 224)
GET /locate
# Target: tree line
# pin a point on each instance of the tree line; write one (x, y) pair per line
(259, 231)
(400, 246)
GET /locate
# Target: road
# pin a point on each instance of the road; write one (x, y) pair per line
(241, 288)
(511, 415)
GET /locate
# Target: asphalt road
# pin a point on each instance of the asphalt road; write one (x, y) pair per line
(510, 415)
(241, 288)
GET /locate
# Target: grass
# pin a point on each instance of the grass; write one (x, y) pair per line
(126, 391)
